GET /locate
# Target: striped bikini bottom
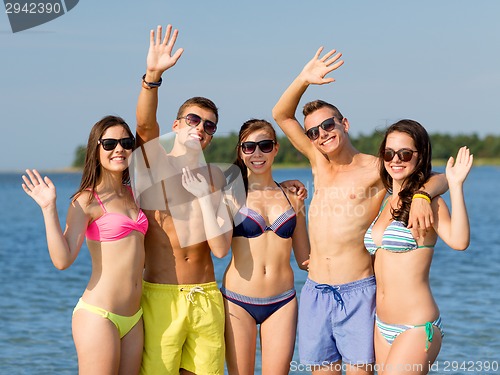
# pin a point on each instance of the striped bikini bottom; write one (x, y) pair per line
(391, 331)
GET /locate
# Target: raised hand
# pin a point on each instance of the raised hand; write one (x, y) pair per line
(457, 170)
(314, 71)
(42, 190)
(197, 186)
(160, 56)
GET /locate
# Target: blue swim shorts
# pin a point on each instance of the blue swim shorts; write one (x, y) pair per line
(336, 322)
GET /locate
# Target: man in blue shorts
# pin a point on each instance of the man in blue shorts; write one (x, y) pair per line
(337, 302)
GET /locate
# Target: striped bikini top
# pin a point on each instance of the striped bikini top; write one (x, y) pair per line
(252, 224)
(397, 238)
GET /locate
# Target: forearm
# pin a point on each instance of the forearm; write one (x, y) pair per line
(147, 106)
(59, 250)
(436, 185)
(460, 228)
(287, 104)
(217, 229)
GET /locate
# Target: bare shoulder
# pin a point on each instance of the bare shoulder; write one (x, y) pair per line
(368, 161)
(367, 164)
(82, 202)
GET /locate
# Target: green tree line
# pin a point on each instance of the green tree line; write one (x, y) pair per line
(222, 149)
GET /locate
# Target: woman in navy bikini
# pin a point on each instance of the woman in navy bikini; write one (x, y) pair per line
(107, 321)
(408, 331)
(258, 285)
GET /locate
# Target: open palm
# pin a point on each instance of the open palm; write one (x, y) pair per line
(160, 56)
(314, 71)
(458, 169)
(42, 190)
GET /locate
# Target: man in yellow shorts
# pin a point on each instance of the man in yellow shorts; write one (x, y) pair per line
(182, 198)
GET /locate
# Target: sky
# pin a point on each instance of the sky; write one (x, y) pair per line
(434, 61)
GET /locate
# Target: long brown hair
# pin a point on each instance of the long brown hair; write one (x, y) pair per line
(423, 169)
(246, 129)
(92, 168)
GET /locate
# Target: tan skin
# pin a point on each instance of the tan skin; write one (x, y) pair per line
(260, 267)
(116, 280)
(171, 258)
(166, 261)
(403, 278)
(348, 190)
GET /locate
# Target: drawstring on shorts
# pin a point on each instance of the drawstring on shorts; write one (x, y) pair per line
(193, 291)
(325, 288)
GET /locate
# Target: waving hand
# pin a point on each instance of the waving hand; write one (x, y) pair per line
(314, 71)
(160, 57)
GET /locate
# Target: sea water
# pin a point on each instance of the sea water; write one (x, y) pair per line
(37, 300)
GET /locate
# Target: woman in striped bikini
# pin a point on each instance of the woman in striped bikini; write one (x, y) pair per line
(258, 285)
(408, 332)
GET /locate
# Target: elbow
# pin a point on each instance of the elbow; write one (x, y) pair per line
(461, 245)
(275, 114)
(303, 267)
(220, 253)
(61, 266)
(278, 116)
(463, 248)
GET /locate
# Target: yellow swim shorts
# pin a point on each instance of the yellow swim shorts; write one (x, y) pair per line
(183, 328)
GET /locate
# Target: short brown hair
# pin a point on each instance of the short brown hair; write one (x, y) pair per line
(200, 102)
(318, 104)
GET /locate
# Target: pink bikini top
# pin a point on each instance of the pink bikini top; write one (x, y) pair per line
(112, 226)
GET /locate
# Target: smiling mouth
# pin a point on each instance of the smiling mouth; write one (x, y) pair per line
(329, 140)
(196, 136)
(397, 167)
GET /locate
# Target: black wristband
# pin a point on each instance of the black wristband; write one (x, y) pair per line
(151, 85)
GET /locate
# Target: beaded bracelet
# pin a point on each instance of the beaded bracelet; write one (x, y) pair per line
(150, 85)
(422, 194)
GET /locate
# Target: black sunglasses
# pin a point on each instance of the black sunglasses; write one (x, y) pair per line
(327, 125)
(193, 120)
(405, 154)
(265, 146)
(110, 143)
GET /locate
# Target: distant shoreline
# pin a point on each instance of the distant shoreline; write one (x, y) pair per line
(479, 162)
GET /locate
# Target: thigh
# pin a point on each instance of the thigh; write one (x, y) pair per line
(131, 350)
(97, 343)
(354, 328)
(408, 355)
(382, 348)
(278, 339)
(241, 336)
(203, 350)
(163, 332)
(315, 333)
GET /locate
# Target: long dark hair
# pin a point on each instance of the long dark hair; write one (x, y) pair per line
(423, 169)
(92, 168)
(246, 129)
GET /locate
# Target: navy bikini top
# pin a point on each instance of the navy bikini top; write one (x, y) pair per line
(252, 224)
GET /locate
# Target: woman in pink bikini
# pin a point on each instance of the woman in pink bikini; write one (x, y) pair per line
(107, 321)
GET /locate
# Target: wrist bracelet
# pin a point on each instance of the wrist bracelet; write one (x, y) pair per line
(422, 194)
(150, 85)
